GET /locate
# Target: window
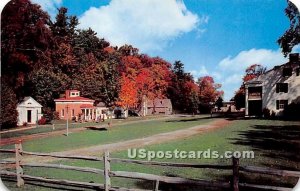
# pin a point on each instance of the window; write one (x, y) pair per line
(73, 112)
(287, 72)
(282, 87)
(281, 104)
(62, 112)
(72, 93)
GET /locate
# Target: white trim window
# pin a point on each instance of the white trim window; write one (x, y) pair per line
(62, 112)
(282, 87)
(281, 104)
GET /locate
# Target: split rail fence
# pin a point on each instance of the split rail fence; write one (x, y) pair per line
(234, 184)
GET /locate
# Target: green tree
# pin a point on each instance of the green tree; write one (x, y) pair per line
(219, 103)
(111, 76)
(291, 37)
(64, 26)
(86, 41)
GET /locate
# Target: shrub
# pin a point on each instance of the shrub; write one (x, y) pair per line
(9, 113)
(42, 121)
(292, 111)
(56, 115)
(25, 124)
(266, 113)
(48, 114)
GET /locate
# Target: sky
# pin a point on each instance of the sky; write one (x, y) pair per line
(219, 38)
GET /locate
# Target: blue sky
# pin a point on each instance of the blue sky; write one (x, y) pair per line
(211, 37)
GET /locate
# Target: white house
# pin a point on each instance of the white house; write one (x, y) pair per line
(101, 111)
(30, 111)
(275, 89)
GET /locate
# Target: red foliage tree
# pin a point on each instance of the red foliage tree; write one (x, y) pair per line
(128, 92)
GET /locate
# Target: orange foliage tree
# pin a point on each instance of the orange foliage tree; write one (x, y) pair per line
(128, 92)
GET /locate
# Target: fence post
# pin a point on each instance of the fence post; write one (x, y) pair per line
(235, 177)
(19, 169)
(156, 185)
(106, 160)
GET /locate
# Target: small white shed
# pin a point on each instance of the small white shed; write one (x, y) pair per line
(30, 111)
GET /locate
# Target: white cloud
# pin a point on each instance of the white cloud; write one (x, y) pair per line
(49, 6)
(146, 24)
(233, 79)
(198, 73)
(239, 63)
(297, 3)
(232, 69)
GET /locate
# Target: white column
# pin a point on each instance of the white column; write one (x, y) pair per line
(246, 101)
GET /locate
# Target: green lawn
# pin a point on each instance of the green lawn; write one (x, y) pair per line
(61, 125)
(276, 144)
(117, 133)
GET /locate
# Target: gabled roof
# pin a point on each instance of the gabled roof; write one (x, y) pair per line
(29, 102)
(78, 98)
(259, 79)
(159, 103)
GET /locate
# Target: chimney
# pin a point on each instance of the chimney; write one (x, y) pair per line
(294, 57)
(67, 94)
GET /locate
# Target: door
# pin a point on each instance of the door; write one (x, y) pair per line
(255, 108)
(28, 116)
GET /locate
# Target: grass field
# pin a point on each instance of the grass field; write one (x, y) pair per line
(276, 144)
(61, 125)
(117, 133)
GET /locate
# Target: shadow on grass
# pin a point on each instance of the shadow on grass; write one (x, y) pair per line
(150, 185)
(39, 185)
(189, 120)
(275, 142)
(97, 128)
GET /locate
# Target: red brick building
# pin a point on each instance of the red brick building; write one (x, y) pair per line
(72, 105)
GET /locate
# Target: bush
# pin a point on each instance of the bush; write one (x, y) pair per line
(48, 114)
(25, 124)
(266, 113)
(42, 121)
(292, 111)
(56, 115)
(9, 113)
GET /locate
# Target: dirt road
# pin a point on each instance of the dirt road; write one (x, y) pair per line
(154, 139)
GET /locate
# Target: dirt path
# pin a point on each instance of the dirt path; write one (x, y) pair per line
(135, 143)
(154, 139)
(13, 140)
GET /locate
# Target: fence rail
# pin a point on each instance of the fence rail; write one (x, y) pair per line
(234, 184)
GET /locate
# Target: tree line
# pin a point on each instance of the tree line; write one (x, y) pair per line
(42, 58)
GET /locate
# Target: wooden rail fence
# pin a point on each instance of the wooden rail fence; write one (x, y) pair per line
(234, 184)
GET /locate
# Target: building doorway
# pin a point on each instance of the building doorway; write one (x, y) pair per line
(28, 116)
(255, 108)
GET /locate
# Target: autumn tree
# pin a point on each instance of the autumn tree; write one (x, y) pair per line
(128, 93)
(208, 93)
(25, 37)
(291, 37)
